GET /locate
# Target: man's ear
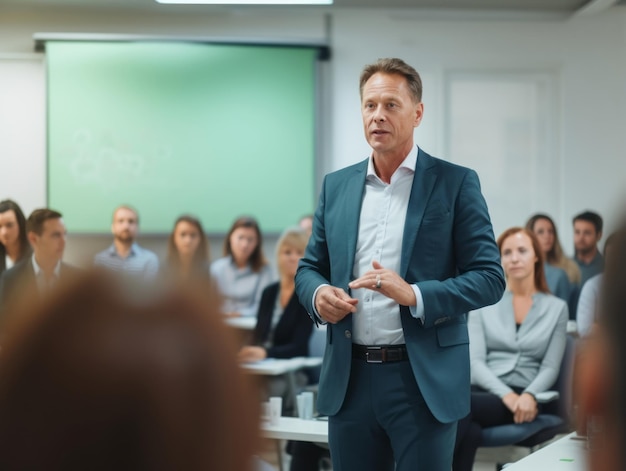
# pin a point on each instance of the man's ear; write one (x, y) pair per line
(593, 382)
(32, 238)
(419, 114)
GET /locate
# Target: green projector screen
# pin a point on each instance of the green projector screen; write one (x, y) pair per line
(217, 131)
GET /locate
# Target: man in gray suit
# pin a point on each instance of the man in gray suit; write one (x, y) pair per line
(402, 248)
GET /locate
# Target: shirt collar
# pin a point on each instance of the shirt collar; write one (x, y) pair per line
(133, 250)
(409, 163)
(8, 262)
(37, 268)
(235, 267)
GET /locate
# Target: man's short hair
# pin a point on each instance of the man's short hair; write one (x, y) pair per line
(394, 66)
(129, 208)
(38, 217)
(590, 216)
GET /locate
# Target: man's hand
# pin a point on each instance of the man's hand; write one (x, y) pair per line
(388, 283)
(333, 304)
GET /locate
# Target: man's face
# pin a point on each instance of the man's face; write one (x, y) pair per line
(585, 236)
(124, 225)
(389, 114)
(50, 245)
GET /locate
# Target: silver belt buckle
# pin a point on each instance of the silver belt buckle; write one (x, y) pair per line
(367, 355)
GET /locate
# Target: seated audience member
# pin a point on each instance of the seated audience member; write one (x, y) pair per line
(243, 273)
(587, 234)
(544, 230)
(188, 250)
(600, 386)
(97, 380)
(41, 272)
(13, 240)
(589, 300)
(516, 346)
(562, 273)
(283, 327)
(125, 255)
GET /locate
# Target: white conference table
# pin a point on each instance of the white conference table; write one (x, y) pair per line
(294, 428)
(289, 428)
(566, 454)
(243, 323)
(280, 366)
(287, 367)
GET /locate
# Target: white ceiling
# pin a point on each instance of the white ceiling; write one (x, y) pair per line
(547, 6)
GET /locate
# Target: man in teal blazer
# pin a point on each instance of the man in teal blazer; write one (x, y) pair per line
(402, 248)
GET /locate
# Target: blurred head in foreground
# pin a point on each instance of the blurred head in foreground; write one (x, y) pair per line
(96, 380)
(601, 368)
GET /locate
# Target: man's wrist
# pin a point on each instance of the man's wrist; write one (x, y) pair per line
(315, 312)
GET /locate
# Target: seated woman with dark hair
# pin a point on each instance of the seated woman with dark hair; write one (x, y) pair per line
(187, 250)
(14, 245)
(562, 273)
(242, 273)
(516, 346)
(98, 379)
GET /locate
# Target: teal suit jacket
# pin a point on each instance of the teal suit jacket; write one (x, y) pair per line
(448, 250)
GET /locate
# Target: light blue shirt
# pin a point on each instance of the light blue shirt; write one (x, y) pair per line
(140, 262)
(241, 287)
(557, 280)
(588, 305)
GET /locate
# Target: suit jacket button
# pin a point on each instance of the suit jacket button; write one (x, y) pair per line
(348, 334)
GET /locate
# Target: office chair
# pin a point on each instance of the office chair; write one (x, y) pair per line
(554, 420)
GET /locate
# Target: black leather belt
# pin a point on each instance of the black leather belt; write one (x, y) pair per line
(379, 353)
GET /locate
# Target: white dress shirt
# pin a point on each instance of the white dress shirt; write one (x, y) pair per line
(381, 229)
(43, 283)
(8, 262)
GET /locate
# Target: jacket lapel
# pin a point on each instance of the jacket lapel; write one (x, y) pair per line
(354, 188)
(423, 185)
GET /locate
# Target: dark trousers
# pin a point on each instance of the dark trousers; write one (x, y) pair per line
(306, 456)
(384, 420)
(486, 410)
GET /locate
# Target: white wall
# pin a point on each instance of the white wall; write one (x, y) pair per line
(584, 55)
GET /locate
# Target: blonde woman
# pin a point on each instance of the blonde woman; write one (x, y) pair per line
(283, 327)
